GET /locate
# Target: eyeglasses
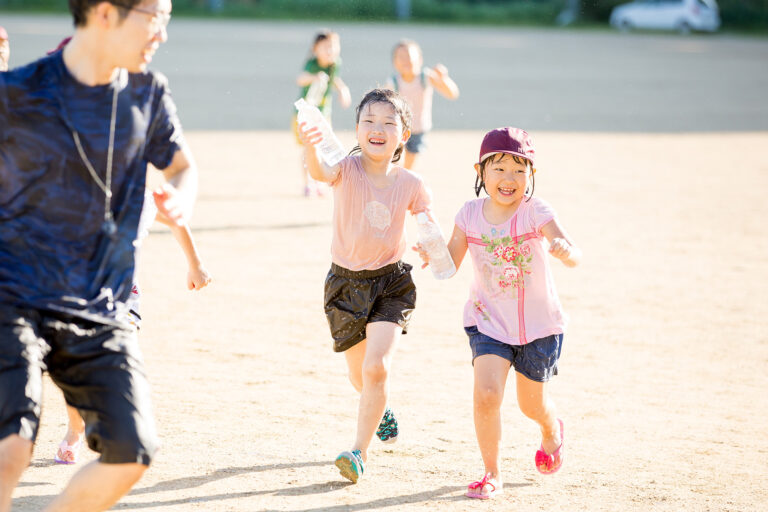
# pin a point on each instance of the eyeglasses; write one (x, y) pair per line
(159, 19)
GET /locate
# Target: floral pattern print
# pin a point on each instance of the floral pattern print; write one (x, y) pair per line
(513, 257)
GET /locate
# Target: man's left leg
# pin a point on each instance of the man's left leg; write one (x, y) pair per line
(97, 486)
(101, 372)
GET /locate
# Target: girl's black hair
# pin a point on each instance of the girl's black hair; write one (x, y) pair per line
(480, 178)
(401, 109)
(322, 36)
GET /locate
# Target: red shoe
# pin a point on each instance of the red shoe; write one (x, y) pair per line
(548, 464)
(475, 489)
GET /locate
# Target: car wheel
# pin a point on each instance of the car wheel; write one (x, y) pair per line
(683, 28)
(625, 25)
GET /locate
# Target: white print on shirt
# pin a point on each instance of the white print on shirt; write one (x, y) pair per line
(378, 216)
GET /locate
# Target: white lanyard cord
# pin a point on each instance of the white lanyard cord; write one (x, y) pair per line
(105, 187)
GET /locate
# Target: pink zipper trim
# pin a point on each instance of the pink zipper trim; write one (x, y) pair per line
(520, 289)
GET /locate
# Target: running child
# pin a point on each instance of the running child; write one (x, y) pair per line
(317, 81)
(369, 293)
(417, 84)
(197, 278)
(513, 316)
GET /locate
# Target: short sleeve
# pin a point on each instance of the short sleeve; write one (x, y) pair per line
(164, 138)
(541, 213)
(344, 166)
(422, 198)
(462, 217)
(310, 66)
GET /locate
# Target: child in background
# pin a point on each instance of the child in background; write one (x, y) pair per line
(416, 84)
(5, 50)
(513, 316)
(197, 278)
(369, 293)
(317, 81)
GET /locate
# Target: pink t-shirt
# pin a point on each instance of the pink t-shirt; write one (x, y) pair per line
(513, 297)
(369, 222)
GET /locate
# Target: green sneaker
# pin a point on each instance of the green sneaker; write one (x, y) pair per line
(350, 465)
(388, 430)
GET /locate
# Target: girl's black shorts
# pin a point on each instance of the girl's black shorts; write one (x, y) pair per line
(354, 299)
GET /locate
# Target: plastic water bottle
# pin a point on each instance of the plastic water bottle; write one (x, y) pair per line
(330, 149)
(431, 239)
(317, 88)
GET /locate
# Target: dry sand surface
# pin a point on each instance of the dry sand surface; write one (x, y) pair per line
(663, 374)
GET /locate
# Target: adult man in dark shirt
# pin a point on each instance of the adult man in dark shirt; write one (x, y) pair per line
(77, 129)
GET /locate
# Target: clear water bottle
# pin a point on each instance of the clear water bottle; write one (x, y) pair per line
(329, 149)
(431, 239)
(317, 88)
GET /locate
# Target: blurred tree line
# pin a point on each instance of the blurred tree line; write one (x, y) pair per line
(737, 14)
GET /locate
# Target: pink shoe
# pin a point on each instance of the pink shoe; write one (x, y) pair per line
(68, 453)
(549, 464)
(475, 489)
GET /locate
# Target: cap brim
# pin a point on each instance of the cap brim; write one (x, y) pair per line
(506, 153)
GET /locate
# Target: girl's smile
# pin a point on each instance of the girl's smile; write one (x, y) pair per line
(380, 130)
(506, 180)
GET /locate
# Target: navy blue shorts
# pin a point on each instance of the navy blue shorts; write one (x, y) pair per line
(536, 360)
(416, 143)
(98, 367)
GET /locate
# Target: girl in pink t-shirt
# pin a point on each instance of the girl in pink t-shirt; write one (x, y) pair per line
(369, 293)
(513, 316)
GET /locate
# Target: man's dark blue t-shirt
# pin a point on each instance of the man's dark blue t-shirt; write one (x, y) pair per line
(54, 255)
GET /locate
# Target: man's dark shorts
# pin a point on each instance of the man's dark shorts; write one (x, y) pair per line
(536, 360)
(98, 367)
(354, 299)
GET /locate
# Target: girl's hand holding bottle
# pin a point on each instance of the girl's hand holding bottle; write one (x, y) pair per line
(423, 254)
(310, 135)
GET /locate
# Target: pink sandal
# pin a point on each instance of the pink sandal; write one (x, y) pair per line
(548, 464)
(475, 489)
(68, 453)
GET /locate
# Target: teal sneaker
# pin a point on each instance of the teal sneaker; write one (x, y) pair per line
(350, 465)
(388, 430)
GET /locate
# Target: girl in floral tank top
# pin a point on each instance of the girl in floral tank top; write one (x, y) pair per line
(513, 316)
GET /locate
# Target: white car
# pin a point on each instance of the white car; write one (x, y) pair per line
(680, 15)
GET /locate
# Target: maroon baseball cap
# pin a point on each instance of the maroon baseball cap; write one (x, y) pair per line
(512, 141)
(3, 33)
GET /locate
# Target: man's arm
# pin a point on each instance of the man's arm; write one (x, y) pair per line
(176, 198)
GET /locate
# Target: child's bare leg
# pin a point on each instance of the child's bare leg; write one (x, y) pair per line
(75, 426)
(381, 339)
(490, 379)
(535, 403)
(409, 159)
(355, 356)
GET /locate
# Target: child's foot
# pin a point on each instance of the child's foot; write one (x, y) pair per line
(548, 463)
(388, 430)
(69, 453)
(486, 488)
(350, 465)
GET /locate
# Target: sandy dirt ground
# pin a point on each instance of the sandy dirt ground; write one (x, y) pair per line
(663, 373)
